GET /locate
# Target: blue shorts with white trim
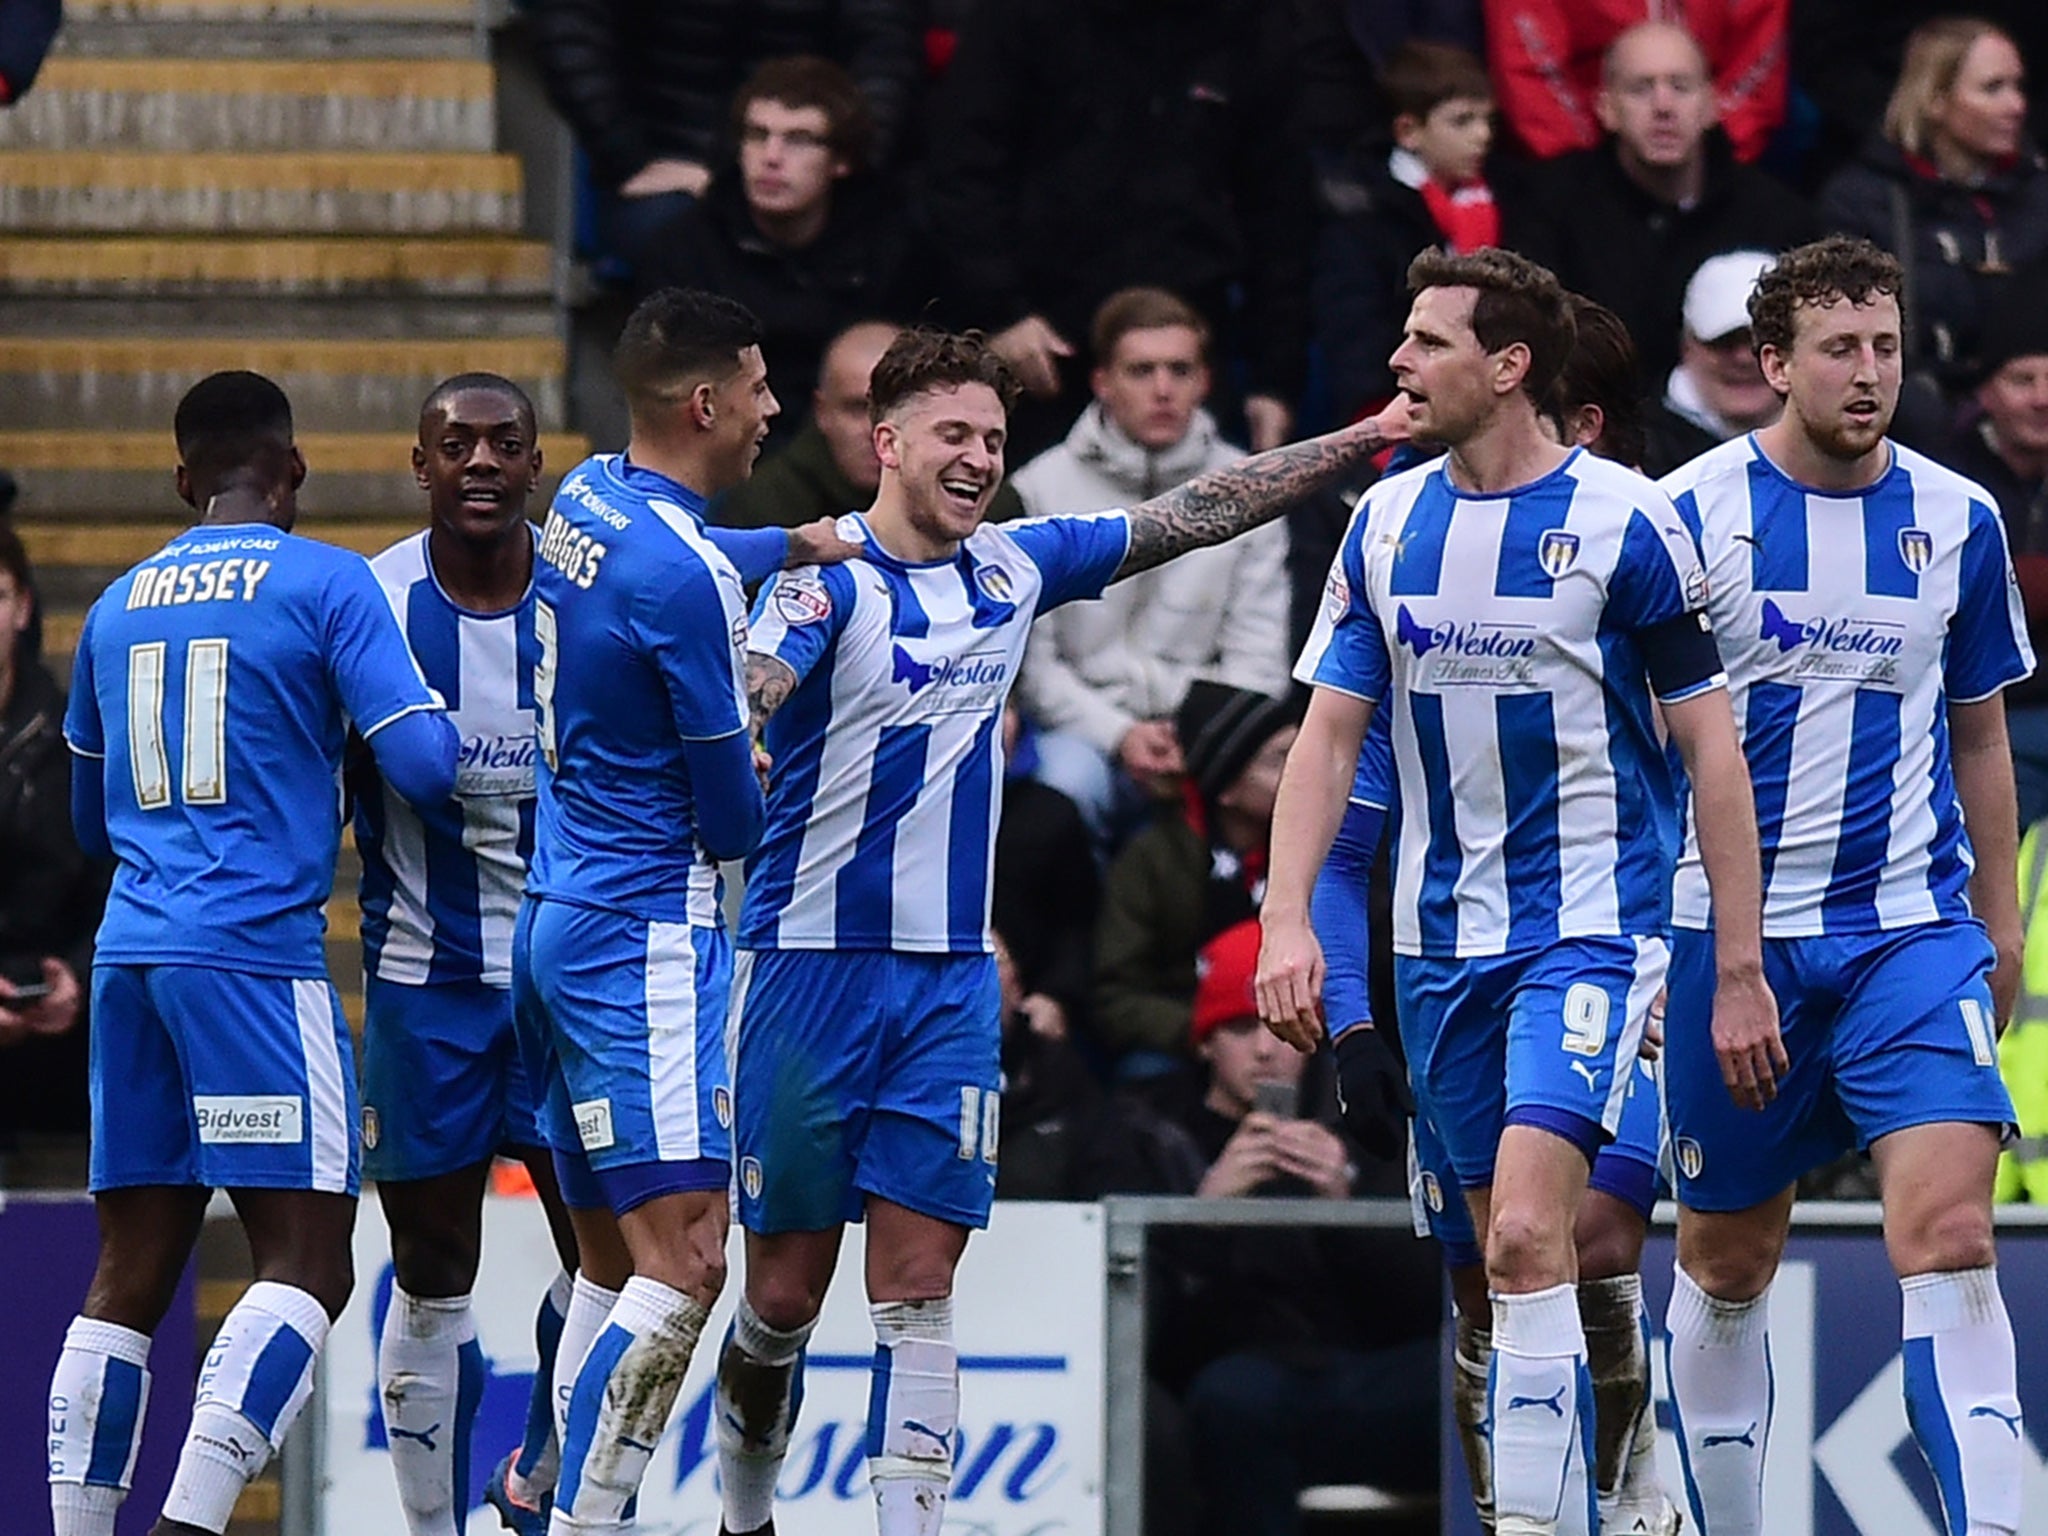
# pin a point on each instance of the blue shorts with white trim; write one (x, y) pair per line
(622, 1025)
(1884, 1030)
(1547, 1037)
(221, 1079)
(865, 1072)
(444, 1085)
(1626, 1168)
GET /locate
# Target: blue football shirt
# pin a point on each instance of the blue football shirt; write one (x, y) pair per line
(642, 631)
(217, 680)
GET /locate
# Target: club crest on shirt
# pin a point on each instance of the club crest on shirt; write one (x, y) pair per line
(739, 634)
(995, 581)
(1556, 551)
(721, 1106)
(1916, 548)
(802, 600)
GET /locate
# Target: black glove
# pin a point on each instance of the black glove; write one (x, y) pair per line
(1372, 1092)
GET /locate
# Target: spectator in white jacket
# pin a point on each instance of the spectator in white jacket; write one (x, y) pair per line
(1101, 680)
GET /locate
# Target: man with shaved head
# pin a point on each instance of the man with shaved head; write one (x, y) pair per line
(1629, 222)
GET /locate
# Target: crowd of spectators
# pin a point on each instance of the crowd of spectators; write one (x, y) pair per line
(1187, 224)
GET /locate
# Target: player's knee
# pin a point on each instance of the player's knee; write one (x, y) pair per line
(433, 1263)
(1526, 1251)
(1609, 1240)
(1949, 1236)
(911, 1276)
(1735, 1266)
(784, 1301)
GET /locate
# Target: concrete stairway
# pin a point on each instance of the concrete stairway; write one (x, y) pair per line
(308, 188)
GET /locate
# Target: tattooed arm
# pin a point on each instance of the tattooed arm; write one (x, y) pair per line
(770, 681)
(1226, 502)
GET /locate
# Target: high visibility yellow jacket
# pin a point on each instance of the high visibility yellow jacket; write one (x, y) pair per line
(2023, 1052)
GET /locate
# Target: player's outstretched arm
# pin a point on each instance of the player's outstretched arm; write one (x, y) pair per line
(1981, 758)
(1746, 1037)
(1314, 789)
(1226, 502)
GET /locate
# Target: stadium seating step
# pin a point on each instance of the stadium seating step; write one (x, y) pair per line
(335, 384)
(190, 105)
(301, 12)
(353, 475)
(46, 191)
(272, 29)
(364, 316)
(473, 266)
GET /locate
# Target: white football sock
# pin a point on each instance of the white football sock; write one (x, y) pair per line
(1962, 1397)
(256, 1378)
(1719, 1359)
(99, 1394)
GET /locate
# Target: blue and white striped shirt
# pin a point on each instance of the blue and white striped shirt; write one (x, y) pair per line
(441, 888)
(1500, 632)
(888, 754)
(1849, 622)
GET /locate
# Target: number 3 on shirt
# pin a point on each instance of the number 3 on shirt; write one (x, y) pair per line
(204, 761)
(544, 682)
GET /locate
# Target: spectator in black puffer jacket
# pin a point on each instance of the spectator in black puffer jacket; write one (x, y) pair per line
(1951, 187)
(801, 229)
(51, 895)
(1083, 146)
(646, 84)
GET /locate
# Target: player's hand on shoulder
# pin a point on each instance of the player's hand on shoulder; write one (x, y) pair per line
(1747, 1042)
(1289, 982)
(818, 543)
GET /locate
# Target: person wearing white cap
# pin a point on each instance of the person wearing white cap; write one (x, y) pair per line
(1717, 391)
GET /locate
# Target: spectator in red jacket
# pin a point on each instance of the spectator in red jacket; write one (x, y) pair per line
(1547, 58)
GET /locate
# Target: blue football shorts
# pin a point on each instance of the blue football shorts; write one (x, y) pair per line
(622, 1024)
(1884, 1031)
(220, 1079)
(1626, 1168)
(1533, 1038)
(865, 1072)
(444, 1086)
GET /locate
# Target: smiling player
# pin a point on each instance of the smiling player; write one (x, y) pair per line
(865, 998)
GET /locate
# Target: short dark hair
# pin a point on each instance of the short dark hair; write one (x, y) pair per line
(1519, 301)
(676, 339)
(1422, 76)
(230, 420)
(1142, 309)
(924, 358)
(806, 80)
(1818, 273)
(1601, 370)
(492, 383)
